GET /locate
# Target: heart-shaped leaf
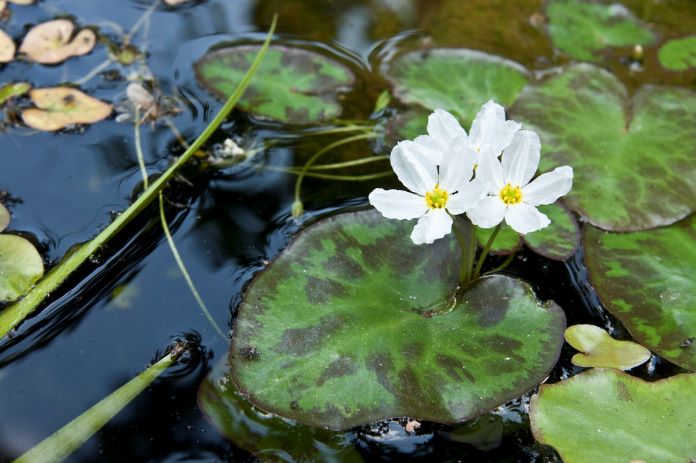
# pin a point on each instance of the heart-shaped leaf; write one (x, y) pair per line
(600, 350)
(20, 267)
(60, 107)
(53, 42)
(353, 305)
(7, 47)
(427, 78)
(632, 158)
(678, 54)
(292, 85)
(646, 280)
(610, 417)
(4, 217)
(560, 239)
(582, 29)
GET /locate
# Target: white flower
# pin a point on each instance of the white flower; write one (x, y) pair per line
(490, 132)
(439, 188)
(510, 195)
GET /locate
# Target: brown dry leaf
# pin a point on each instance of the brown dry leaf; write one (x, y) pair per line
(60, 107)
(50, 42)
(3, 3)
(7, 47)
(4, 217)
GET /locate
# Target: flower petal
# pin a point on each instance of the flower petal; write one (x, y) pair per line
(468, 196)
(397, 204)
(488, 213)
(432, 226)
(490, 172)
(525, 218)
(443, 126)
(490, 130)
(548, 187)
(415, 169)
(457, 166)
(521, 159)
(429, 146)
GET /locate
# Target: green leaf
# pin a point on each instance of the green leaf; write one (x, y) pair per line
(600, 350)
(12, 90)
(646, 280)
(561, 239)
(353, 305)
(507, 242)
(455, 79)
(4, 217)
(632, 158)
(293, 85)
(266, 435)
(582, 29)
(610, 417)
(678, 54)
(20, 267)
(406, 125)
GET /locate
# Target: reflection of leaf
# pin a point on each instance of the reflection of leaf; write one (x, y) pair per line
(7, 47)
(353, 304)
(678, 54)
(20, 267)
(52, 42)
(608, 416)
(4, 217)
(59, 107)
(560, 239)
(600, 350)
(8, 91)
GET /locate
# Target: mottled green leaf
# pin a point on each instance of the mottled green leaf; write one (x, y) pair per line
(455, 79)
(507, 242)
(609, 416)
(600, 350)
(632, 157)
(353, 305)
(267, 436)
(558, 241)
(4, 217)
(582, 29)
(678, 54)
(20, 267)
(292, 85)
(646, 280)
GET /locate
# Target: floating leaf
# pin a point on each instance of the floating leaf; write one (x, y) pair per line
(406, 125)
(582, 29)
(611, 417)
(632, 157)
(507, 242)
(60, 107)
(9, 91)
(646, 280)
(678, 54)
(600, 350)
(7, 47)
(353, 305)
(4, 217)
(455, 79)
(20, 267)
(293, 85)
(558, 241)
(53, 42)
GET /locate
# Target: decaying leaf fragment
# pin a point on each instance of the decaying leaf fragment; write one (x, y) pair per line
(3, 3)
(7, 47)
(59, 107)
(4, 217)
(53, 42)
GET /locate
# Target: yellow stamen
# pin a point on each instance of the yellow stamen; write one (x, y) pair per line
(437, 198)
(511, 194)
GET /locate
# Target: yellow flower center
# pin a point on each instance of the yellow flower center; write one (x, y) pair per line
(511, 194)
(437, 198)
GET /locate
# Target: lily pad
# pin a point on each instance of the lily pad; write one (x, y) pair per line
(53, 42)
(7, 47)
(558, 241)
(20, 267)
(4, 217)
(60, 107)
(646, 280)
(633, 158)
(406, 125)
(9, 91)
(678, 54)
(292, 85)
(611, 417)
(456, 79)
(353, 305)
(507, 242)
(582, 29)
(600, 350)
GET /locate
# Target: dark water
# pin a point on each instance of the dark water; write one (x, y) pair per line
(66, 187)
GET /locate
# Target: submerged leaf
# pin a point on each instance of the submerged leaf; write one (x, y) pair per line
(560, 239)
(4, 217)
(53, 42)
(20, 267)
(7, 47)
(60, 107)
(600, 350)
(608, 416)
(678, 54)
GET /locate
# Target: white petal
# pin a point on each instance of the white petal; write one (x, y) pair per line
(457, 166)
(443, 126)
(489, 212)
(397, 204)
(521, 159)
(525, 218)
(547, 188)
(490, 130)
(432, 226)
(490, 172)
(416, 170)
(431, 147)
(469, 196)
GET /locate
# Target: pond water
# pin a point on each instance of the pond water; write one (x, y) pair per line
(126, 306)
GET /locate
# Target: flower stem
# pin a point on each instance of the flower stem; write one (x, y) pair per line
(502, 266)
(356, 162)
(343, 178)
(486, 249)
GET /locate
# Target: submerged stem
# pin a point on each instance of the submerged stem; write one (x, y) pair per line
(502, 266)
(343, 178)
(486, 249)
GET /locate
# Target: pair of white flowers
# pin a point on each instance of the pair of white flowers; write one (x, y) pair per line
(439, 169)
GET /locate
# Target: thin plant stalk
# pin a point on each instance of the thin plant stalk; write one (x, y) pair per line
(344, 164)
(502, 266)
(486, 249)
(139, 148)
(343, 178)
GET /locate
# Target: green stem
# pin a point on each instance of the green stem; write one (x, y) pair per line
(486, 249)
(502, 266)
(357, 162)
(17, 312)
(342, 178)
(335, 130)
